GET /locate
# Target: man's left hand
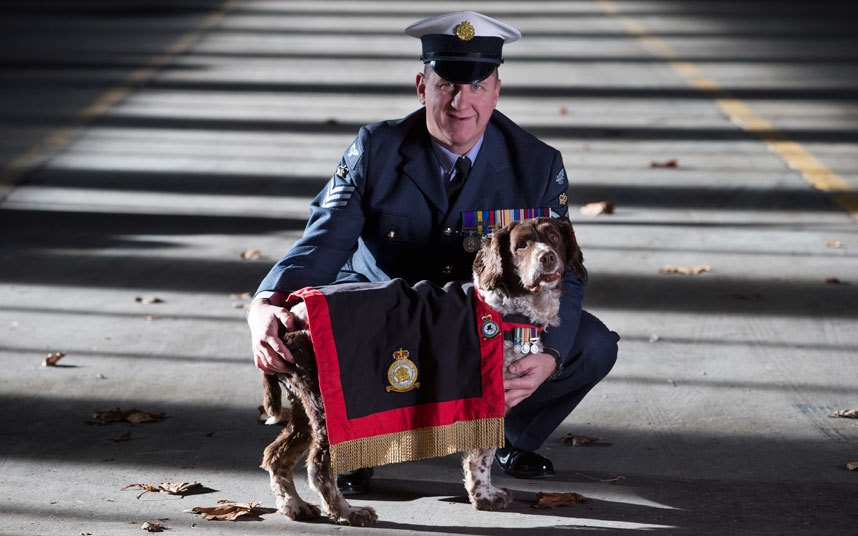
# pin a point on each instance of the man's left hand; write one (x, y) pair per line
(534, 369)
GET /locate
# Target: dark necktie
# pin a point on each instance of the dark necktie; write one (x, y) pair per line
(463, 168)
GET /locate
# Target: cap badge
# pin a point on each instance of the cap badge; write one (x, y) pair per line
(465, 31)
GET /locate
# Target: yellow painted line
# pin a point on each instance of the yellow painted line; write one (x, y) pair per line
(792, 153)
(54, 141)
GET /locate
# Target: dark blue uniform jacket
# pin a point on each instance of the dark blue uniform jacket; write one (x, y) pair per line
(385, 214)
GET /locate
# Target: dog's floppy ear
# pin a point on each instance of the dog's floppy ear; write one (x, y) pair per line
(574, 256)
(489, 262)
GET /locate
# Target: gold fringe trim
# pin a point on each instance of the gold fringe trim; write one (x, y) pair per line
(432, 442)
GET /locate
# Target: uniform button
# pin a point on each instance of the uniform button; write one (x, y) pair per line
(391, 234)
(447, 270)
(448, 231)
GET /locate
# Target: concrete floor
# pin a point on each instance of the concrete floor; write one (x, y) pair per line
(145, 145)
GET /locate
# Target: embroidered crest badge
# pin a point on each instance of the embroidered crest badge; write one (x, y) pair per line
(489, 327)
(402, 373)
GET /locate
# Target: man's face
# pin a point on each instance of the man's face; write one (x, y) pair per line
(457, 114)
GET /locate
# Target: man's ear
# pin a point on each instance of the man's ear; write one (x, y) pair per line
(420, 84)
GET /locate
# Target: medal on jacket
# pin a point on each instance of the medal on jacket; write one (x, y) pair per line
(471, 243)
(479, 223)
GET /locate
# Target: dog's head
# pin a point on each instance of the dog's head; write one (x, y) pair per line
(527, 256)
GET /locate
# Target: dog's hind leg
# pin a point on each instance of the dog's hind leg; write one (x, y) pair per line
(319, 474)
(477, 467)
(279, 460)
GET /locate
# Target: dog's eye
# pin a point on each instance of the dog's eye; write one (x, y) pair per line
(521, 244)
(553, 237)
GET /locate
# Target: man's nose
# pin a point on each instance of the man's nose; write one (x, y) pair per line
(460, 98)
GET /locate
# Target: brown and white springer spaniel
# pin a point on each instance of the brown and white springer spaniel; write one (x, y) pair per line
(518, 270)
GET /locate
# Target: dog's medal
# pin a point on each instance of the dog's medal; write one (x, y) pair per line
(534, 345)
(402, 373)
(471, 243)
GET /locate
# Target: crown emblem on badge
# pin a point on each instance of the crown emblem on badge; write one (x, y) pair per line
(465, 31)
(402, 373)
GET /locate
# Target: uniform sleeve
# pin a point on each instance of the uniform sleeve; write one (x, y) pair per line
(331, 235)
(562, 337)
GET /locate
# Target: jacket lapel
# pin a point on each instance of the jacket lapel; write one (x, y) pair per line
(421, 166)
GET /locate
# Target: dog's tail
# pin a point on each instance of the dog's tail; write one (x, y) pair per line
(272, 400)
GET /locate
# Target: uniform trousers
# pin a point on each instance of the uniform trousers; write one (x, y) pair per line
(528, 424)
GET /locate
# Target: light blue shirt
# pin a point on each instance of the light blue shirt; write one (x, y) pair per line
(447, 159)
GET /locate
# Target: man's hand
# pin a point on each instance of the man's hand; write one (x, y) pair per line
(534, 370)
(266, 322)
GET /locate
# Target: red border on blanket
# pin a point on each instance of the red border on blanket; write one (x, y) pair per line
(340, 428)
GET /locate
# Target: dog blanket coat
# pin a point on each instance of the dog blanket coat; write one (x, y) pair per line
(405, 372)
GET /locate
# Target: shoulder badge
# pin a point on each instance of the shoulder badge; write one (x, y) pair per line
(402, 373)
(562, 199)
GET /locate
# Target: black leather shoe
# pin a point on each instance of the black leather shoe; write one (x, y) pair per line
(523, 463)
(353, 482)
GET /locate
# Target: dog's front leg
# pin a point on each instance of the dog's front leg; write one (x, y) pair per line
(477, 466)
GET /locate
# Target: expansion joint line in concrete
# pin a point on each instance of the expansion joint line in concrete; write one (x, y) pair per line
(54, 142)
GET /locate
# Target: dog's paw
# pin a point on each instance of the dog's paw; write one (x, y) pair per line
(358, 516)
(491, 499)
(298, 510)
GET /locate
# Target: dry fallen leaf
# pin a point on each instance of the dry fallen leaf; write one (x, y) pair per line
(179, 488)
(51, 360)
(665, 164)
(552, 500)
(834, 281)
(579, 440)
(834, 244)
(134, 416)
(846, 413)
(852, 466)
(230, 511)
(250, 255)
(170, 488)
(685, 270)
(594, 209)
(672, 382)
(148, 299)
(151, 526)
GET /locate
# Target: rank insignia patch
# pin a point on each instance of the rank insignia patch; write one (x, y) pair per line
(402, 373)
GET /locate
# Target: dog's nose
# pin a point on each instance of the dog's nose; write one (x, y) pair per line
(548, 259)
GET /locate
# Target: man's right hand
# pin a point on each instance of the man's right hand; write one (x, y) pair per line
(266, 323)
